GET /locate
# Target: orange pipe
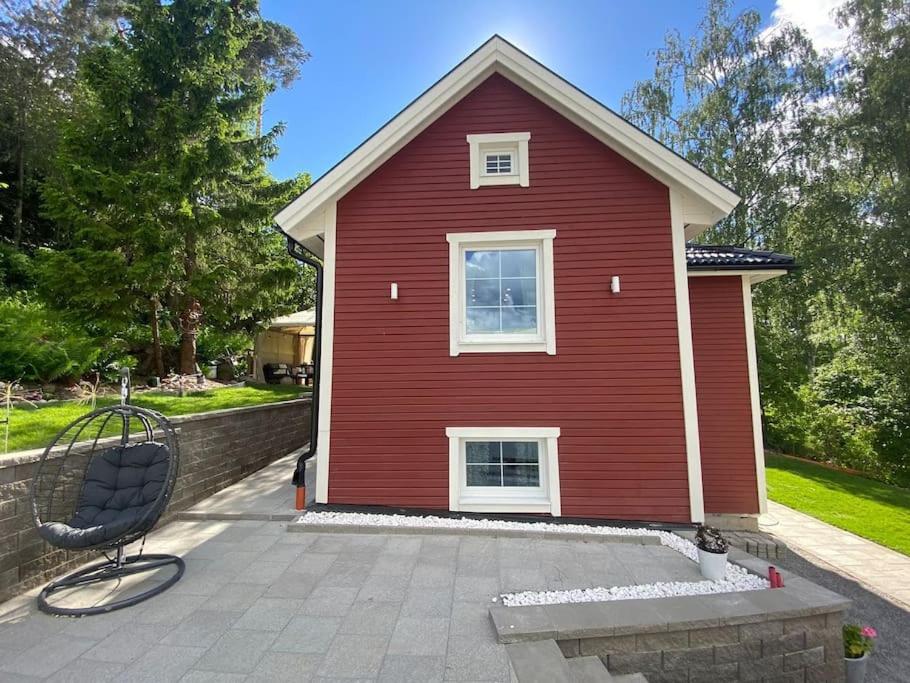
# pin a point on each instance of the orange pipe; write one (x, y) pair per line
(301, 498)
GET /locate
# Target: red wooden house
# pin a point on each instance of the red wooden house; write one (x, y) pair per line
(513, 321)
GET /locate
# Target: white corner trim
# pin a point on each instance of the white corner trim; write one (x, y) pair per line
(545, 341)
(755, 396)
(708, 199)
(514, 144)
(548, 501)
(326, 356)
(686, 359)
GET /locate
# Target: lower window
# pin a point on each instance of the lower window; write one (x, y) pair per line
(503, 469)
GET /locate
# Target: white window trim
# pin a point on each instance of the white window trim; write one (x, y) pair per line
(758, 440)
(459, 341)
(515, 144)
(546, 499)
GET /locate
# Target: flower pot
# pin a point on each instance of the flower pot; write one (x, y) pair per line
(856, 668)
(713, 566)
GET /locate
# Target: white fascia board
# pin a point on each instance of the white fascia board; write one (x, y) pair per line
(707, 198)
(755, 275)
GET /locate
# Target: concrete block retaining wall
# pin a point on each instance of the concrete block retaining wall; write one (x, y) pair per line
(216, 450)
(798, 649)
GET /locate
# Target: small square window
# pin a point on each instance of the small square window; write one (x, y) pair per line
(499, 159)
(498, 164)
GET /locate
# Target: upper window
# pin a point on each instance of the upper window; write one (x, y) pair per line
(501, 291)
(499, 159)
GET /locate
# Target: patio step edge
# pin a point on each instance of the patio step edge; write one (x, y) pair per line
(196, 515)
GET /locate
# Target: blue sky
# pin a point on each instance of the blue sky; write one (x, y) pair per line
(370, 58)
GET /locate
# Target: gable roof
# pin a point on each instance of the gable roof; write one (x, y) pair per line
(706, 200)
(716, 257)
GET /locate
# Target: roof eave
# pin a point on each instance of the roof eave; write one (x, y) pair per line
(708, 199)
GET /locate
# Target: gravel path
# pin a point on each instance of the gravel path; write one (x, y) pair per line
(891, 661)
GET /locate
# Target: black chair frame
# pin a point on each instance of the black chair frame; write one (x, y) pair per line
(152, 428)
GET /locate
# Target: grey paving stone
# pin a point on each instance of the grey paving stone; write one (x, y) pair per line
(200, 629)
(47, 657)
(307, 635)
(82, 670)
(97, 628)
(427, 602)
(516, 580)
(161, 663)
(269, 614)
(330, 543)
(538, 661)
(292, 584)
(285, 666)
(412, 669)
(329, 602)
(432, 575)
(236, 651)
(473, 659)
(346, 574)
(128, 643)
(393, 565)
(261, 572)
(170, 608)
(476, 589)
(30, 631)
(371, 618)
(470, 617)
(193, 676)
(384, 588)
(419, 636)
(234, 597)
(403, 545)
(313, 563)
(354, 657)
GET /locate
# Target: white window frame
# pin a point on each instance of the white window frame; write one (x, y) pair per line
(544, 341)
(542, 499)
(514, 144)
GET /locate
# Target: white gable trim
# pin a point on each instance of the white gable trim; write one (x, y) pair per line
(707, 200)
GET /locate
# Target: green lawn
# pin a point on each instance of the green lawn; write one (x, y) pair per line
(35, 427)
(868, 508)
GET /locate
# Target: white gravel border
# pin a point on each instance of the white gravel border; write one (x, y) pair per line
(736, 579)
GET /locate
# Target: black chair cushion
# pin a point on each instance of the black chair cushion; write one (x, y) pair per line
(121, 485)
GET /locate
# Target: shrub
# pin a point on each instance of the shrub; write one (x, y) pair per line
(858, 640)
(35, 345)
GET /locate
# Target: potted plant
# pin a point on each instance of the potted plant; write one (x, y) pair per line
(712, 552)
(858, 643)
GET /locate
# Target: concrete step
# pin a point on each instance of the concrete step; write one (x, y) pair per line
(538, 661)
(629, 678)
(589, 670)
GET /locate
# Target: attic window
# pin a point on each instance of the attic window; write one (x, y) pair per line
(499, 159)
(498, 164)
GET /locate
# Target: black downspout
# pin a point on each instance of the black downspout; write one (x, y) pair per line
(304, 255)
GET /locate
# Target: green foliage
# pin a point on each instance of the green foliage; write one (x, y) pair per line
(35, 345)
(214, 344)
(858, 640)
(35, 427)
(865, 507)
(17, 273)
(818, 148)
(160, 174)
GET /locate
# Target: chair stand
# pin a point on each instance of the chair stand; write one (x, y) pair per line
(111, 570)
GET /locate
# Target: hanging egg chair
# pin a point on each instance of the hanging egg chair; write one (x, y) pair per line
(102, 484)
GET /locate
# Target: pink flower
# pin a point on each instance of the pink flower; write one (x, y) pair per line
(869, 632)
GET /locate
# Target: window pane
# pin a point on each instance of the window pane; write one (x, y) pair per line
(519, 263)
(483, 292)
(519, 451)
(484, 475)
(481, 264)
(519, 320)
(519, 292)
(520, 475)
(482, 451)
(483, 320)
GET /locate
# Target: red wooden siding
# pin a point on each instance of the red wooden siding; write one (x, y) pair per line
(724, 401)
(614, 386)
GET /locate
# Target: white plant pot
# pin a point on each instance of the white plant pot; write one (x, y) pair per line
(856, 668)
(713, 566)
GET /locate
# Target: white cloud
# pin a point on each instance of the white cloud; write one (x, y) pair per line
(816, 18)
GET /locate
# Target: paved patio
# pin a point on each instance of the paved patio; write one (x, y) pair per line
(259, 603)
(880, 569)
